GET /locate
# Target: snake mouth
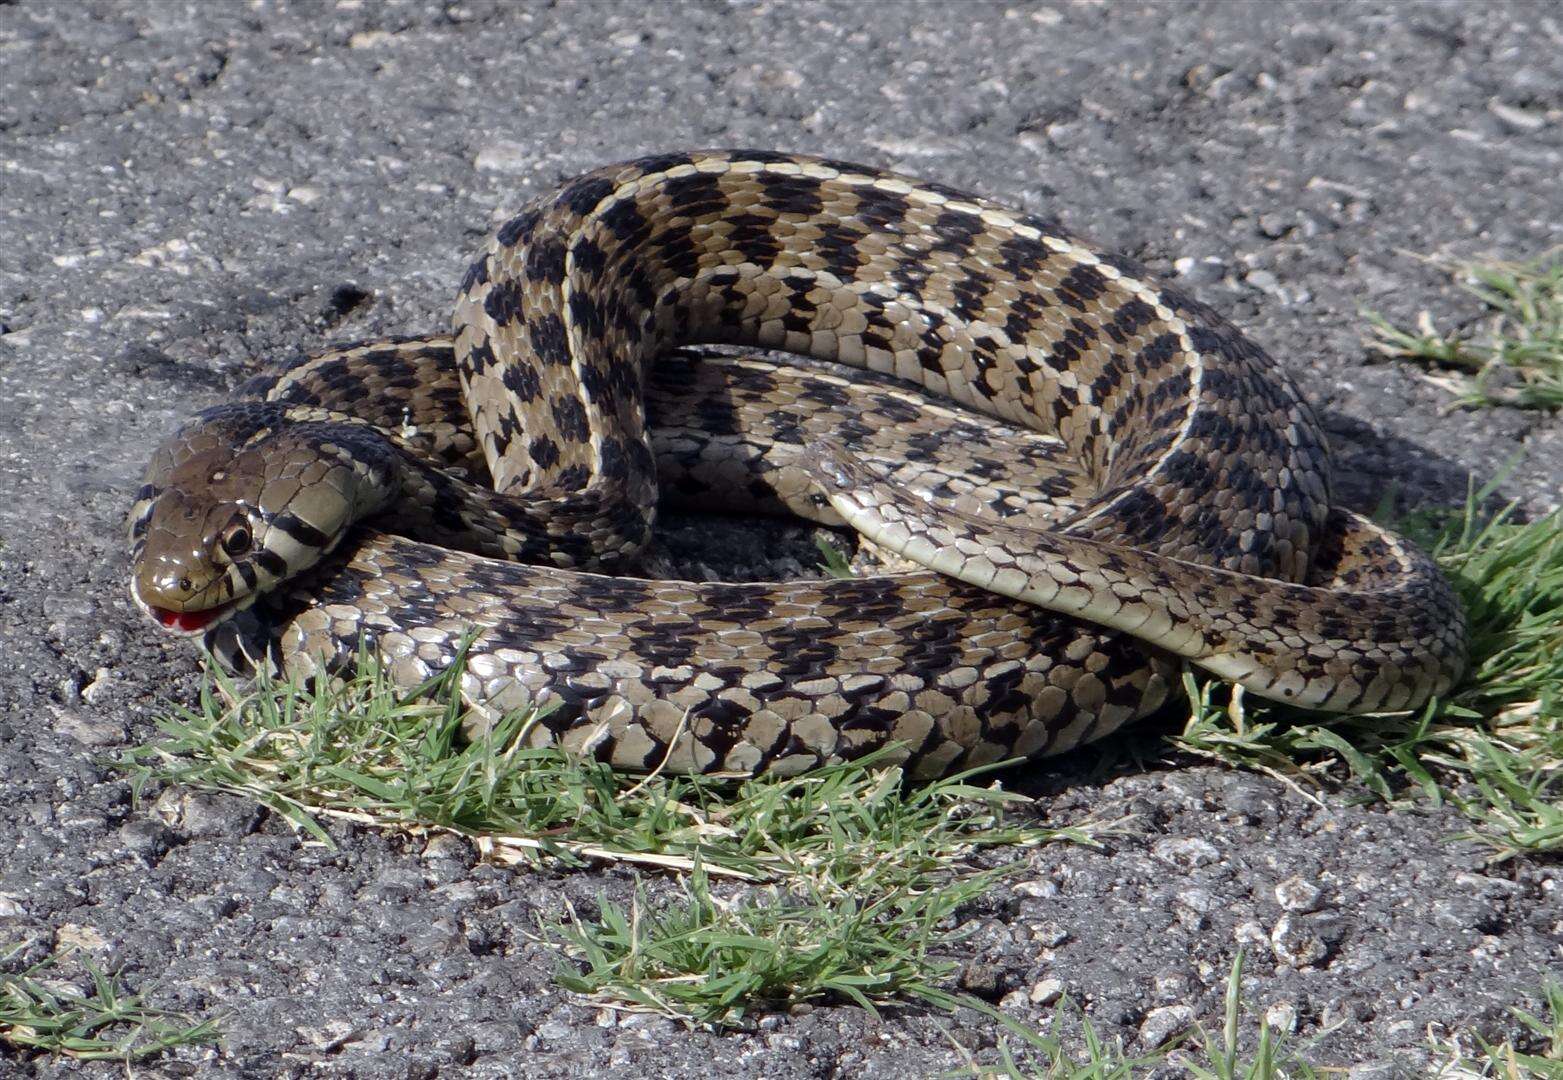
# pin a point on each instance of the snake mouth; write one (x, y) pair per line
(189, 623)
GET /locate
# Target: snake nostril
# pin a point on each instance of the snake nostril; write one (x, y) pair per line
(185, 584)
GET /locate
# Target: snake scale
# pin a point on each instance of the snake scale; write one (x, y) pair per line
(1096, 477)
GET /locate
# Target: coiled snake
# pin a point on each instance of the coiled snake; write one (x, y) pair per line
(1147, 486)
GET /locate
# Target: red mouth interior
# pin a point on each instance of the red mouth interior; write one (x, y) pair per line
(187, 621)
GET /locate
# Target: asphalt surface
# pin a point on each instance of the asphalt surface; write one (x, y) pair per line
(188, 191)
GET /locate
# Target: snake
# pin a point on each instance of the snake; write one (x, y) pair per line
(1081, 478)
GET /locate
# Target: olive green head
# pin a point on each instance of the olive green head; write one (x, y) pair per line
(238, 500)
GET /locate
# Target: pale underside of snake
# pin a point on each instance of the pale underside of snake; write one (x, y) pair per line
(1114, 480)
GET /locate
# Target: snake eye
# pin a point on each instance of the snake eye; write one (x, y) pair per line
(237, 539)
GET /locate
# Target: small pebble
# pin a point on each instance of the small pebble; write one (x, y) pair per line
(1186, 851)
(1172, 986)
(1374, 1070)
(1262, 280)
(1049, 934)
(1250, 932)
(1200, 900)
(1163, 1023)
(145, 837)
(1282, 1017)
(1204, 271)
(102, 682)
(1295, 894)
(1274, 226)
(1295, 944)
(1521, 120)
(984, 980)
(504, 157)
(328, 1036)
(88, 730)
(1046, 992)
(1037, 890)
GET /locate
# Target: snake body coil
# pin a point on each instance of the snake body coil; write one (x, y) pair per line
(1173, 501)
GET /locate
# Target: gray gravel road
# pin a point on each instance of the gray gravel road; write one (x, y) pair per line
(189, 190)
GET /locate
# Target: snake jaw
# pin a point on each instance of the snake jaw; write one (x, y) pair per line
(189, 623)
(186, 623)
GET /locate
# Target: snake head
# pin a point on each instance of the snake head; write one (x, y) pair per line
(238, 500)
(190, 566)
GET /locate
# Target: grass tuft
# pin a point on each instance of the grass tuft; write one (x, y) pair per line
(1539, 1054)
(1053, 1055)
(712, 960)
(1514, 356)
(53, 1016)
(865, 874)
(1206, 1056)
(860, 869)
(362, 750)
(1222, 1057)
(1536, 1053)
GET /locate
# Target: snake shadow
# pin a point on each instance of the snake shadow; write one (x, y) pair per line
(1378, 473)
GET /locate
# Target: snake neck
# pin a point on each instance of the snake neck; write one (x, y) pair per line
(438, 507)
